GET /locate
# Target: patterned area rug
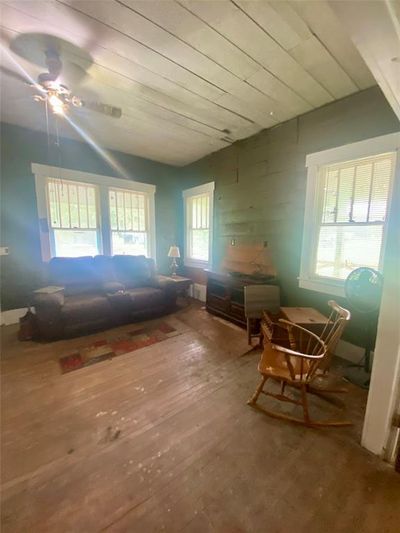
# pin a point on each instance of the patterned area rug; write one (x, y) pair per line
(108, 348)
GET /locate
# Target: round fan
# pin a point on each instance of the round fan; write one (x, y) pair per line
(363, 289)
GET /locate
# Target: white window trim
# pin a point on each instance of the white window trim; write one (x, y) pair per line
(358, 150)
(207, 188)
(42, 172)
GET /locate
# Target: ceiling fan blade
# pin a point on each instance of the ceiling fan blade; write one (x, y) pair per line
(104, 109)
(15, 75)
(74, 74)
(52, 53)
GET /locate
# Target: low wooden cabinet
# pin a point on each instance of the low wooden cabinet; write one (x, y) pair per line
(225, 294)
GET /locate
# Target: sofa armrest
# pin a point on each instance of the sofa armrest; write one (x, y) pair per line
(48, 313)
(53, 300)
(161, 282)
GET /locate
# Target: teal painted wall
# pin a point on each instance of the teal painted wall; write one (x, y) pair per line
(261, 183)
(21, 271)
(260, 191)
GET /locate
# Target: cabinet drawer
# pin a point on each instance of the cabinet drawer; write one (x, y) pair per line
(216, 302)
(237, 311)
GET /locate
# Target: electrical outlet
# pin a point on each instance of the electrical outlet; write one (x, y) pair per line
(4, 250)
(233, 242)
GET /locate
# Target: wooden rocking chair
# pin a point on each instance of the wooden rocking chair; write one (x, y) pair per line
(297, 366)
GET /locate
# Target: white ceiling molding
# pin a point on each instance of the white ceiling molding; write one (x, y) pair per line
(191, 77)
(374, 28)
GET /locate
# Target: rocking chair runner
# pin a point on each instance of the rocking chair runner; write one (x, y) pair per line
(298, 369)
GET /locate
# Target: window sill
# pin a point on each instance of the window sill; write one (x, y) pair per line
(335, 288)
(196, 263)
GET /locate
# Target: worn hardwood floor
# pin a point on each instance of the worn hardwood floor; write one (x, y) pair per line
(162, 440)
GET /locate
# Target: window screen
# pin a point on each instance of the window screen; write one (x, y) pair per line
(128, 221)
(199, 227)
(73, 217)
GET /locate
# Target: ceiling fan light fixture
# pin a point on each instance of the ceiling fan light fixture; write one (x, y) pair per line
(58, 110)
(55, 101)
(77, 102)
(57, 104)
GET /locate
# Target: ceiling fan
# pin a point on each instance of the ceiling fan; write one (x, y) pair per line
(50, 90)
(59, 96)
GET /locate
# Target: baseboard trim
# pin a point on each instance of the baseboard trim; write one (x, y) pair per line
(350, 352)
(12, 316)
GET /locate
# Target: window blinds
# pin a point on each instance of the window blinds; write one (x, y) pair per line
(357, 191)
(353, 199)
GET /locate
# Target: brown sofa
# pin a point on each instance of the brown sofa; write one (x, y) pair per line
(100, 292)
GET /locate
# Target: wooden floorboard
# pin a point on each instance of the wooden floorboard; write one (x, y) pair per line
(161, 439)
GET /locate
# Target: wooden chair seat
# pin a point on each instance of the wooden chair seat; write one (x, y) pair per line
(274, 364)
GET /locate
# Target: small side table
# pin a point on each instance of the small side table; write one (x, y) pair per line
(307, 317)
(180, 284)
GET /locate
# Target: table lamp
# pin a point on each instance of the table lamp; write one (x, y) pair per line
(174, 253)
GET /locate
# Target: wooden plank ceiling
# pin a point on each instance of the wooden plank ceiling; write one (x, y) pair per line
(191, 77)
(376, 33)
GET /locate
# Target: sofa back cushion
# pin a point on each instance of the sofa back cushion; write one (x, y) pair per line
(132, 270)
(104, 268)
(76, 274)
(105, 273)
(152, 267)
(101, 273)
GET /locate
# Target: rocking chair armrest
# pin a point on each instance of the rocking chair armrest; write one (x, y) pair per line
(293, 325)
(299, 354)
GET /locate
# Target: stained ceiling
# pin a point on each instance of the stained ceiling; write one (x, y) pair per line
(191, 77)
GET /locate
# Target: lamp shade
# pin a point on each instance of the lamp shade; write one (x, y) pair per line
(174, 252)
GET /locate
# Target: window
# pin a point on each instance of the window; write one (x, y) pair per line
(354, 204)
(198, 206)
(199, 227)
(346, 212)
(128, 222)
(87, 214)
(73, 218)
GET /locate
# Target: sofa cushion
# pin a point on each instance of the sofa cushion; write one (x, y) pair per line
(111, 287)
(83, 307)
(144, 298)
(76, 274)
(104, 269)
(152, 267)
(132, 271)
